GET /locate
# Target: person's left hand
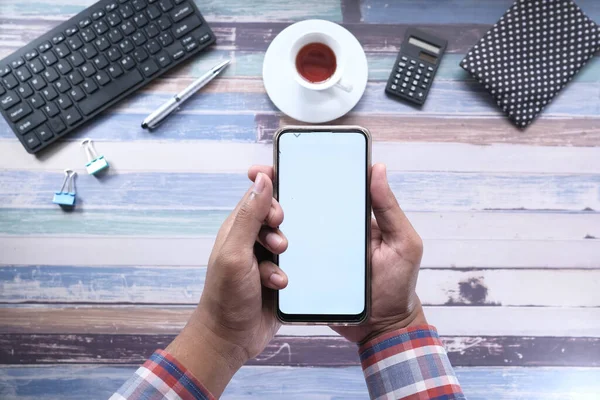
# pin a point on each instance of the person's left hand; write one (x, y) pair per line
(235, 320)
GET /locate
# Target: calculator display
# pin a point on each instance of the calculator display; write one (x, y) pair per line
(424, 45)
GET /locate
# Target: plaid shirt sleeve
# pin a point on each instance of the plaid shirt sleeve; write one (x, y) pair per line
(162, 377)
(409, 364)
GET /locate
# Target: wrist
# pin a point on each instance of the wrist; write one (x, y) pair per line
(209, 358)
(416, 317)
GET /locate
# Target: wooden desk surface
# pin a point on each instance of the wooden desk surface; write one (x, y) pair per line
(511, 272)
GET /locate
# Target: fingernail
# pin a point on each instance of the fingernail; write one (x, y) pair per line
(259, 183)
(273, 240)
(276, 279)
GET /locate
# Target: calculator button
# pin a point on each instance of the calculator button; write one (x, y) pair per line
(429, 69)
(415, 82)
(406, 79)
(411, 68)
(397, 76)
(417, 77)
(402, 64)
(413, 88)
(395, 81)
(410, 94)
(425, 80)
(394, 87)
(413, 62)
(428, 75)
(404, 85)
(419, 71)
(424, 86)
(409, 73)
(404, 59)
(420, 95)
(421, 65)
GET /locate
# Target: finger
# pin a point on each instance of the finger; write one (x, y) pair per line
(255, 169)
(273, 240)
(272, 276)
(392, 222)
(249, 216)
(275, 216)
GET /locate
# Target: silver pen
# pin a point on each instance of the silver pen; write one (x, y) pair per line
(166, 109)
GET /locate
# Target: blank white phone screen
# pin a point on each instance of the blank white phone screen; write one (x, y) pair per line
(322, 190)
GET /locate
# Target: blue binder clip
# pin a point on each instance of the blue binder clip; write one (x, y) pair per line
(66, 197)
(95, 163)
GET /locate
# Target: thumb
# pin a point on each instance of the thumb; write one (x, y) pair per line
(250, 215)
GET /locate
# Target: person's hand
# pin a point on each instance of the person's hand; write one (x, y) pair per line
(234, 320)
(396, 251)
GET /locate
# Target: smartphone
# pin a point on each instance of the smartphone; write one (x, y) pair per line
(321, 180)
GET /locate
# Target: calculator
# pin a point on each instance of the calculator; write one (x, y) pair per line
(416, 65)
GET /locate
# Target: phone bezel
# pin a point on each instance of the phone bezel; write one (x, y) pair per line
(329, 319)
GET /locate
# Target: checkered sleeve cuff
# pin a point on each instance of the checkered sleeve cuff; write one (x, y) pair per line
(409, 364)
(162, 377)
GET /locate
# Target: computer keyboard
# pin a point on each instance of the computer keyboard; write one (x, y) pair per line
(64, 78)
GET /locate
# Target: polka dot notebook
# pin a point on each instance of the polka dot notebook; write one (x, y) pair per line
(528, 56)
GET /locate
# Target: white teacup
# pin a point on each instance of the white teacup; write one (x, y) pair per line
(334, 80)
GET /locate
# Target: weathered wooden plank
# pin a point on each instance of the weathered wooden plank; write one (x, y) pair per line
(416, 191)
(497, 225)
(75, 382)
(194, 251)
(447, 12)
(212, 10)
(183, 285)
(235, 157)
(295, 351)
(450, 321)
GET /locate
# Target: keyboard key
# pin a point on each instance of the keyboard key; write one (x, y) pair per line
(19, 111)
(77, 94)
(44, 133)
(102, 43)
(36, 66)
(127, 63)
(126, 46)
(187, 25)
(165, 39)
(72, 116)
(89, 86)
(177, 2)
(102, 78)
(10, 81)
(163, 59)
(165, 5)
(152, 30)
(113, 19)
(96, 15)
(176, 51)
(57, 125)
(181, 12)
(138, 38)
(115, 70)
(44, 47)
(71, 31)
(111, 6)
(76, 59)
(138, 4)
(58, 38)
(32, 121)
(9, 99)
(149, 68)
(126, 11)
(75, 78)
(191, 46)
(49, 58)
(31, 54)
(100, 27)
(100, 62)
(17, 63)
(50, 74)
(140, 20)
(164, 22)
(153, 47)
(88, 69)
(2, 90)
(49, 93)
(89, 51)
(64, 67)
(36, 101)
(113, 54)
(74, 43)
(51, 109)
(127, 28)
(23, 73)
(62, 85)
(88, 35)
(115, 35)
(5, 71)
(84, 22)
(110, 92)
(62, 50)
(140, 55)
(31, 140)
(38, 83)
(25, 90)
(153, 12)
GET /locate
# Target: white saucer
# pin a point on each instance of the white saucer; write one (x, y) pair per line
(310, 105)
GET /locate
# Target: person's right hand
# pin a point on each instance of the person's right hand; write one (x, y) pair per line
(396, 251)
